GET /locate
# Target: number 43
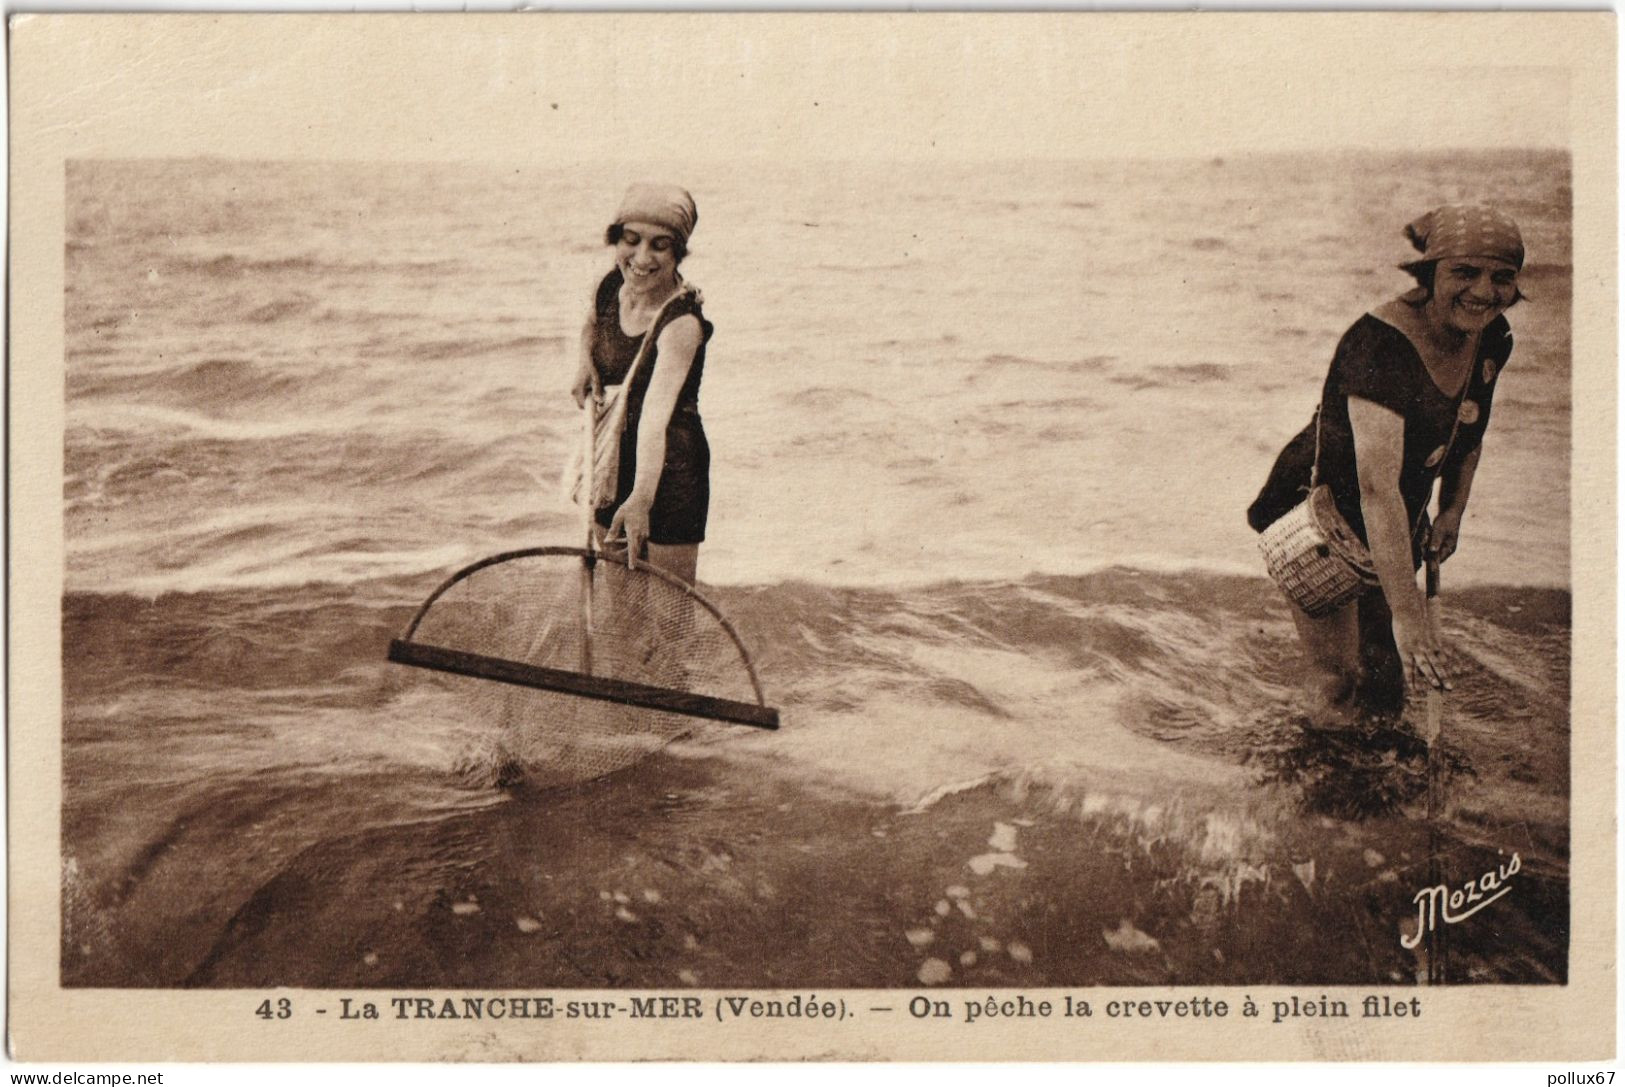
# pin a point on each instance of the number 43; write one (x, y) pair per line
(283, 1009)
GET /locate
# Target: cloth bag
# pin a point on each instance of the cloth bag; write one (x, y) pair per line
(607, 421)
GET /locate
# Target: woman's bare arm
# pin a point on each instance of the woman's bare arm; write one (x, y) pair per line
(586, 382)
(1379, 450)
(679, 342)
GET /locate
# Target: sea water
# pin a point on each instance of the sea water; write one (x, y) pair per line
(983, 436)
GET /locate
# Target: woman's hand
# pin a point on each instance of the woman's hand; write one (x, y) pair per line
(632, 521)
(586, 384)
(1445, 534)
(1420, 655)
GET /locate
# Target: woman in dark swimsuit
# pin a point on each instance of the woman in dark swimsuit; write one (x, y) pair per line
(663, 493)
(1407, 400)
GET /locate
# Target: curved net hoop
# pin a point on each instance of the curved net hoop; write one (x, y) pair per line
(578, 665)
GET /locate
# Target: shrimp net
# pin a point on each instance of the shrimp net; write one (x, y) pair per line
(577, 666)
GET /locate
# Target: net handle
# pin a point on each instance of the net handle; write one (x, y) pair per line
(589, 451)
(606, 690)
(588, 558)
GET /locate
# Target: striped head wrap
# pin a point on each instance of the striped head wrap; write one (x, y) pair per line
(1465, 230)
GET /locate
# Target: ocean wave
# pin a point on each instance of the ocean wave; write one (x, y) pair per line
(1137, 681)
(151, 422)
(1173, 377)
(1194, 372)
(373, 445)
(231, 265)
(439, 350)
(256, 558)
(866, 269)
(281, 309)
(954, 640)
(823, 398)
(216, 380)
(1156, 713)
(1087, 365)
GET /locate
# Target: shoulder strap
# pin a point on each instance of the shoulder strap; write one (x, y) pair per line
(654, 331)
(1314, 467)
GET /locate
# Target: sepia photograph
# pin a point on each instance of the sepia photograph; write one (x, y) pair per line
(753, 533)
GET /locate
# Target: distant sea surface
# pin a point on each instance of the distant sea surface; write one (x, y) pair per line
(983, 437)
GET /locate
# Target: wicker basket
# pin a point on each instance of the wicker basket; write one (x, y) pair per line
(1313, 555)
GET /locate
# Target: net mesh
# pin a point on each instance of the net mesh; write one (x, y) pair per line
(535, 609)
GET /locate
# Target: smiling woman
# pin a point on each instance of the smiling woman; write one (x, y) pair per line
(663, 491)
(1405, 404)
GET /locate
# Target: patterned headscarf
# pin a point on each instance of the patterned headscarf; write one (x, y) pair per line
(662, 205)
(1465, 230)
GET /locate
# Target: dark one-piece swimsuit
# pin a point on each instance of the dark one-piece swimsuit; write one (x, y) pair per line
(683, 497)
(1378, 362)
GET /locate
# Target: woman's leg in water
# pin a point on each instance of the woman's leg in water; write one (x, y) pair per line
(649, 620)
(1382, 678)
(675, 621)
(1331, 645)
(679, 560)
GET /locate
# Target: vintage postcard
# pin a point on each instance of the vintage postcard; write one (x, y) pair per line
(865, 536)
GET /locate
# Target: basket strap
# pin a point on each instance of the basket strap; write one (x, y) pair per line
(654, 330)
(1314, 467)
(613, 415)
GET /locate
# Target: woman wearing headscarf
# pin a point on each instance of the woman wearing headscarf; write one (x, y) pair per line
(1406, 401)
(663, 492)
